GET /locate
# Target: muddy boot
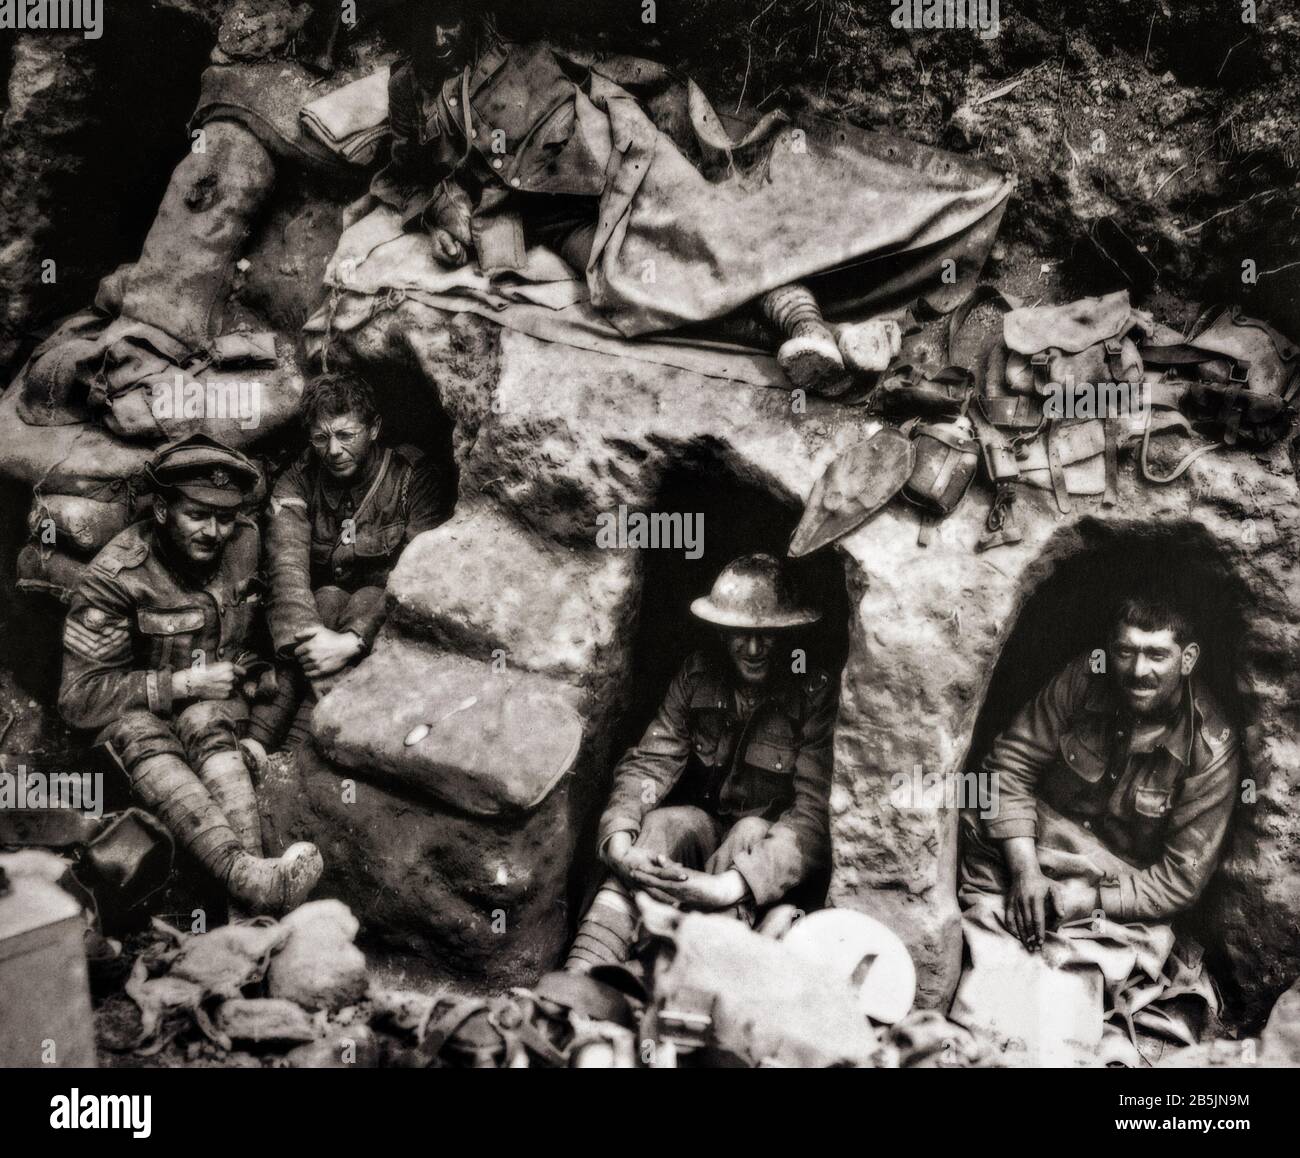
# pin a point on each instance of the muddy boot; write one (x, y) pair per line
(869, 347)
(168, 787)
(226, 776)
(607, 931)
(810, 355)
(275, 885)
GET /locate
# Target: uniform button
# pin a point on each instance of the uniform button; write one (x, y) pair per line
(473, 134)
(221, 653)
(515, 182)
(496, 164)
(778, 763)
(1087, 824)
(452, 101)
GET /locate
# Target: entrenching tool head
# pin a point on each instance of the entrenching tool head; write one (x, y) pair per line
(852, 488)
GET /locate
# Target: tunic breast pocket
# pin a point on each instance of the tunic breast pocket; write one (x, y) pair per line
(1080, 759)
(321, 550)
(769, 770)
(171, 634)
(706, 737)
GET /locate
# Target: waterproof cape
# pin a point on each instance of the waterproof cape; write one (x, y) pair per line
(870, 218)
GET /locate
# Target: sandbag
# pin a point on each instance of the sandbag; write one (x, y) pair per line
(183, 276)
(87, 359)
(76, 523)
(319, 967)
(234, 403)
(263, 1021)
(45, 571)
(80, 459)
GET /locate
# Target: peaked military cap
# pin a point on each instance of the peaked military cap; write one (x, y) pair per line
(205, 470)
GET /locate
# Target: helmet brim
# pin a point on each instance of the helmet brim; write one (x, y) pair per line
(704, 608)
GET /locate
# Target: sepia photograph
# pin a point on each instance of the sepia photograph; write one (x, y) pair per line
(649, 534)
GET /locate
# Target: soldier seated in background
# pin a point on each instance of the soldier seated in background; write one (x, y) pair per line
(339, 518)
(746, 747)
(156, 659)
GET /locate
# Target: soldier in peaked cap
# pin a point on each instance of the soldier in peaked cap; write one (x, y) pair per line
(723, 805)
(156, 660)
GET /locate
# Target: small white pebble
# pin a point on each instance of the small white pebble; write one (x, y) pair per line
(416, 734)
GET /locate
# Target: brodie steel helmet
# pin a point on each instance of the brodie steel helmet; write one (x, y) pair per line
(753, 592)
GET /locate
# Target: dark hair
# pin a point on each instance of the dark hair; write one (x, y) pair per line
(1151, 613)
(338, 392)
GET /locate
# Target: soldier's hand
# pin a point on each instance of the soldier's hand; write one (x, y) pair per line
(1027, 907)
(643, 869)
(213, 682)
(323, 652)
(701, 890)
(446, 249)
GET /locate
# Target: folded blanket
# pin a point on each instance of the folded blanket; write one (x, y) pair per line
(353, 120)
(267, 97)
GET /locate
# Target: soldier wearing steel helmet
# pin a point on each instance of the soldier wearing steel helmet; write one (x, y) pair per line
(723, 804)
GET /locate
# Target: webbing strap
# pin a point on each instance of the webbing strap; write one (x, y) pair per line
(1178, 470)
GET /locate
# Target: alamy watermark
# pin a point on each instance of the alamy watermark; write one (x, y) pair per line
(932, 790)
(665, 530)
(230, 399)
(916, 15)
(77, 1111)
(84, 16)
(1096, 400)
(79, 791)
